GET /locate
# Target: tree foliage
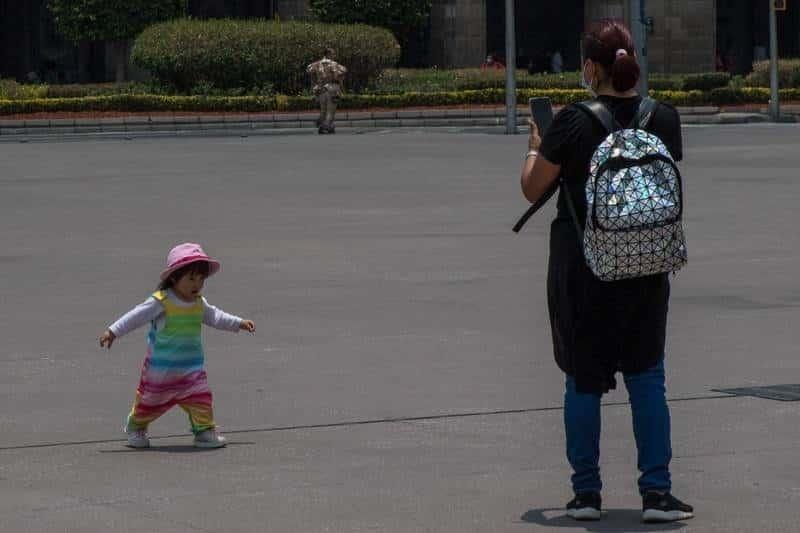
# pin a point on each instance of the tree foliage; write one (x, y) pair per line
(113, 20)
(399, 16)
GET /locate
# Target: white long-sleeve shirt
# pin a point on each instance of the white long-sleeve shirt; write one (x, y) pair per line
(151, 309)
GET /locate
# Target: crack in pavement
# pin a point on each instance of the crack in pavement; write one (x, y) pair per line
(353, 423)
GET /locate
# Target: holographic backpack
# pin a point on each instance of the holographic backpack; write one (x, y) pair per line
(634, 201)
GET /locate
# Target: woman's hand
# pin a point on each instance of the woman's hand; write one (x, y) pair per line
(538, 174)
(248, 325)
(534, 140)
(107, 338)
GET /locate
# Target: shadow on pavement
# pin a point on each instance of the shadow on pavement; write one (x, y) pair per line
(175, 448)
(613, 520)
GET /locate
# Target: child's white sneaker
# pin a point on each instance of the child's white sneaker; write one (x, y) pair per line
(137, 438)
(209, 438)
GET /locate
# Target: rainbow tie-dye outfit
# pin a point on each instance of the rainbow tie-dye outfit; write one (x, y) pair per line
(173, 372)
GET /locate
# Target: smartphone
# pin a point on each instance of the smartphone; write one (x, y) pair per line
(541, 113)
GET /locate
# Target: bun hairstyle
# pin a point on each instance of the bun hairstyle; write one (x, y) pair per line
(610, 44)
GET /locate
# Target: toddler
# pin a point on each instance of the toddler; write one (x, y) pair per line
(173, 372)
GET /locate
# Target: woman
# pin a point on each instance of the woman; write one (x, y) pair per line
(602, 327)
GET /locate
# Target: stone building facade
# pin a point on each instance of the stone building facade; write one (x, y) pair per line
(463, 32)
(684, 31)
(689, 35)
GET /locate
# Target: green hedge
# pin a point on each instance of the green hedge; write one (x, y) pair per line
(146, 103)
(143, 103)
(10, 89)
(80, 90)
(228, 54)
(788, 74)
(397, 81)
(391, 81)
(254, 104)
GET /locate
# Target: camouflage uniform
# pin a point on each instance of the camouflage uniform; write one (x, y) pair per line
(326, 75)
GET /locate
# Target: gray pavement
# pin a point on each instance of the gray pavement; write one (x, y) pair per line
(401, 378)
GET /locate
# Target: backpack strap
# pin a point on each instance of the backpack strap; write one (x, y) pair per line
(600, 113)
(647, 108)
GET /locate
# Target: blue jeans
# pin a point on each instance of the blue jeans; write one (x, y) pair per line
(647, 396)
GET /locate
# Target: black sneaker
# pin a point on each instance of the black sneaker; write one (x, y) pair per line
(658, 507)
(585, 506)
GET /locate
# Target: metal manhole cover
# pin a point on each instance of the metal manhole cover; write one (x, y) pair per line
(783, 393)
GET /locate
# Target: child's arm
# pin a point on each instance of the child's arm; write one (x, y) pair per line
(137, 317)
(217, 318)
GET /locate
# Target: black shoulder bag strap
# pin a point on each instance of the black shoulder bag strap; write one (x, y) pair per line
(534, 208)
(595, 109)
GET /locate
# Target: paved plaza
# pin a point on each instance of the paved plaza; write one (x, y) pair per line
(401, 378)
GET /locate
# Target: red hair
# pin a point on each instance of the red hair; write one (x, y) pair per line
(601, 44)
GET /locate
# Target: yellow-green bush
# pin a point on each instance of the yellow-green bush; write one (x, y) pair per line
(10, 89)
(254, 104)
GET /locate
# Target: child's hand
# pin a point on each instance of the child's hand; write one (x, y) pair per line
(248, 325)
(107, 337)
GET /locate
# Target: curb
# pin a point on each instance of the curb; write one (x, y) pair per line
(293, 123)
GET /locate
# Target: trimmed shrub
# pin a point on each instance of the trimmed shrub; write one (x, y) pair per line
(681, 98)
(256, 104)
(228, 54)
(705, 81)
(94, 89)
(396, 81)
(253, 104)
(664, 82)
(140, 103)
(751, 95)
(788, 74)
(10, 89)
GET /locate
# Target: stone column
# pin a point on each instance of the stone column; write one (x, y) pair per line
(685, 37)
(606, 9)
(685, 31)
(292, 9)
(458, 33)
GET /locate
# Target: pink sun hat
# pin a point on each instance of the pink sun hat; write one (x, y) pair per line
(187, 253)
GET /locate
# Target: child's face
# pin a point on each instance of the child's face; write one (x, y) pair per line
(188, 286)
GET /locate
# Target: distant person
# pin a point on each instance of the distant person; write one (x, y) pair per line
(556, 63)
(618, 323)
(720, 63)
(492, 63)
(327, 75)
(174, 370)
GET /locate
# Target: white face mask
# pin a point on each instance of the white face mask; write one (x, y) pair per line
(587, 84)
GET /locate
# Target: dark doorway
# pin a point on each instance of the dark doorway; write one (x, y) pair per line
(32, 50)
(542, 27)
(743, 33)
(231, 8)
